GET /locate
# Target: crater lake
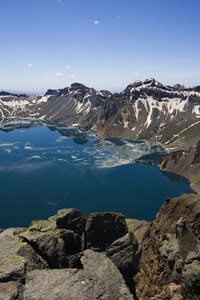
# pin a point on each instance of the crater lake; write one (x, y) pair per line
(46, 166)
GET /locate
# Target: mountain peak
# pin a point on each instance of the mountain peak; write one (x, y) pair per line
(151, 82)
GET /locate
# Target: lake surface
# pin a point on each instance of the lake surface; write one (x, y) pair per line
(47, 166)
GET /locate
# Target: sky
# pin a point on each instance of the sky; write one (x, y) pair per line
(104, 44)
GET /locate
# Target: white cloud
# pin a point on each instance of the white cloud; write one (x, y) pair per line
(45, 73)
(72, 75)
(96, 22)
(138, 74)
(58, 74)
(30, 65)
(68, 67)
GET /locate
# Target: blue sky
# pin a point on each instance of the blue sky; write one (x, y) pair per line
(105, 44)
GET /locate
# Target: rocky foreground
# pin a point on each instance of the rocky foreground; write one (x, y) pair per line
(72, 257)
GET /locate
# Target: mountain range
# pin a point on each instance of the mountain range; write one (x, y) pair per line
(145, 110)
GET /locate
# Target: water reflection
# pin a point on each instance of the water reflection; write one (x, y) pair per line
(95, 150)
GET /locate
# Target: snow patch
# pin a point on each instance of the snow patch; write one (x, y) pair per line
(43, 99)
(196, 110)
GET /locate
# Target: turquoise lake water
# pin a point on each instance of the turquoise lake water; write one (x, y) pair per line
(54, 166)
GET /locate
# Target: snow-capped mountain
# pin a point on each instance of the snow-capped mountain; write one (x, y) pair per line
(151, 111)
(72, 104)
(145, 110)
(23, 105)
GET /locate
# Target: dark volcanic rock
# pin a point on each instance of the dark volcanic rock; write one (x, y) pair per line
(71, 219)
(125, 252)
(60, 247)
(102, 229)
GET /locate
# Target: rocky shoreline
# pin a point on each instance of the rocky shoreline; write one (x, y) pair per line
(185, 163)
(73, 257)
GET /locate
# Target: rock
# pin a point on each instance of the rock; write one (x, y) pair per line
(31, 259)
(180, 228)
(54, 239)
(12, 265)
(34, 261)
(106, 271)
(102, 229)
(71, 219)
(69, 284)
(125, 253)
(190, 288)
(59, 247)
(16, 256)
(11, 290)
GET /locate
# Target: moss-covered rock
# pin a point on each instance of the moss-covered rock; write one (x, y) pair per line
(59, 247)
(16, 256)
(59, 243)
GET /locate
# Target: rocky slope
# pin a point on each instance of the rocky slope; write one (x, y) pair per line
(170, 265)
(71, 257)
(184, 162)
(145, 110)
(151, 111)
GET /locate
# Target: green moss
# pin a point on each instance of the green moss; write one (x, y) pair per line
(19, 240)
(14, 259)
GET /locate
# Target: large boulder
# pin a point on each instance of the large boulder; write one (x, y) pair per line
(125, 253)
(59, 247)
(71, 219)
(70, 284)
(102, 229)
(16, 256)
(106, 271)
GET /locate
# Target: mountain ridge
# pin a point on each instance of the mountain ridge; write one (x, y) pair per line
(145, 110)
